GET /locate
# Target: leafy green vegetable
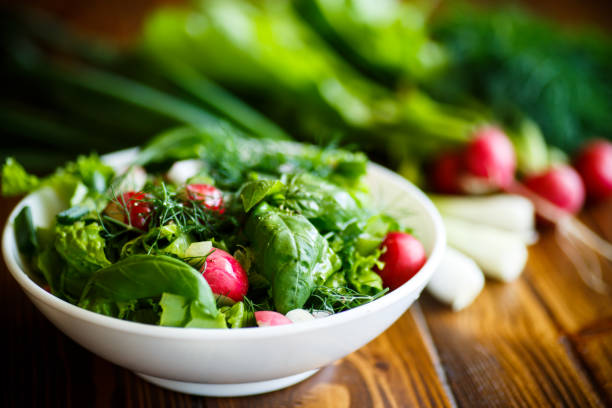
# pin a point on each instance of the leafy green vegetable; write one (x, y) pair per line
(238, 315)
(80, 182)
(187, 298)
(81, 246)
(231, 157)
(253, 192)
(513, 61)
(327, 206)
(25, 233)
(291, 254)
(167, 239)
(388, 40)
(15, 180)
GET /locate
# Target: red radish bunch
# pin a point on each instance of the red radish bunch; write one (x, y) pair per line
(486, 164)
(594, 163)
(132, 208)
(225, 275)
(403, 256)
(207, 195)
(267, 318)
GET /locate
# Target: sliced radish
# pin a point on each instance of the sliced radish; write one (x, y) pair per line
(225, 275)
(132, 208)
(267, 318)
(206, 195)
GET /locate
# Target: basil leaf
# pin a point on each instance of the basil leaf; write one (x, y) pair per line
(254, 192)
(291, 254)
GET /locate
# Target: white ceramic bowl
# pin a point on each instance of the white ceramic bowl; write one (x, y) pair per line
(236, 362)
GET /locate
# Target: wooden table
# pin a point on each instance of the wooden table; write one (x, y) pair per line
(544, 340)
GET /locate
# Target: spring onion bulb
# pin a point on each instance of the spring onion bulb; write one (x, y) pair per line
(500, 253)
(509, 212)
(457, 281)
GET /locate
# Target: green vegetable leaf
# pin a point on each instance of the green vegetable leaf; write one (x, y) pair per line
(360, 274)
(175, 310)
(81, 246)
(151, 276)
(237, 315)
(167, 239)
(253, 192)
(15, 180)
(327, 206)
(25, 233)
(292, 255)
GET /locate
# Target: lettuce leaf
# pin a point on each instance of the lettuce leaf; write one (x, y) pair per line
(81, 246)
(15, 180)
(87, 177)
(167, 239)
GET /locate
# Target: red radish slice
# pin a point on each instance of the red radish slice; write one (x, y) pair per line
(404, 257)
(207, 195)
(225, 275)
(268, 318)
(131, 208)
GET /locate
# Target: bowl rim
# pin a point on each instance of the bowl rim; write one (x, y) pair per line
(420, 279)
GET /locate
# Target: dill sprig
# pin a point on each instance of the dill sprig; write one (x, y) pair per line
(336, 300)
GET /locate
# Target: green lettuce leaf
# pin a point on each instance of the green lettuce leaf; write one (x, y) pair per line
(167, 239)
(186, 298)
(15, 180)
(81, 246)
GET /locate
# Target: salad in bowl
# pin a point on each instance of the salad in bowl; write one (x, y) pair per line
(167, 260)
(207, 229)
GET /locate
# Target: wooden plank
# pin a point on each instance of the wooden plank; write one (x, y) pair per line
(504, 350)
(557, 282)
(595, 349)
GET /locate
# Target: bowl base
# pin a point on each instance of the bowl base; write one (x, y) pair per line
(228, 390)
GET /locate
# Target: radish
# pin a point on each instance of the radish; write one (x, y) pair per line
(489, 161)
(403, 256)
(225, 275)
(207, 195)
(560, 185)
(594, 163)
(131, 208)
(267, 318)
(445, 170)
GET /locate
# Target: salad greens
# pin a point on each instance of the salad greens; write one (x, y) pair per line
(297, 218)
